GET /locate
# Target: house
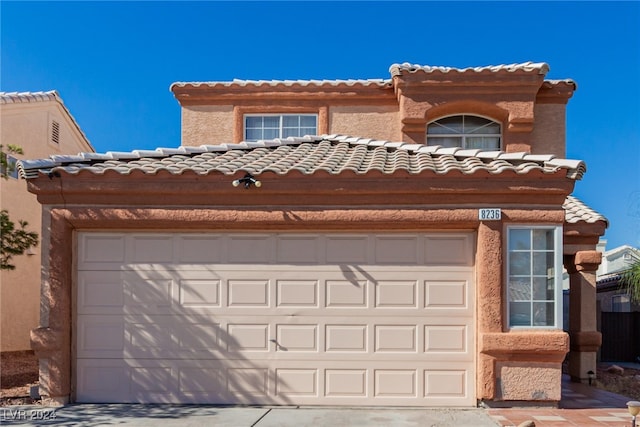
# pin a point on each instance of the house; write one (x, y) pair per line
(617, 260)
(611, 296)
(41, 125)
(418, 263)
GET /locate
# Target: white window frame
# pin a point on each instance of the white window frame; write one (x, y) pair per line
(281, 117)
(463, 136)
(557, 276)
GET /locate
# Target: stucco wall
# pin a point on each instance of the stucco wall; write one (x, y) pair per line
(378, 122)
(29, 126)
(528, 381)
(207, 125)
(549, 130)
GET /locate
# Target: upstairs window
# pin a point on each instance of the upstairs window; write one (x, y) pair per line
(464, 131)
(279, 126)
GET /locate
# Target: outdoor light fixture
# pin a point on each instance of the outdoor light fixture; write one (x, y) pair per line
(634, 409)
(592, 376)
(247, 180)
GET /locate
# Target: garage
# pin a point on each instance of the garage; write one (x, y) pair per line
(275, 318)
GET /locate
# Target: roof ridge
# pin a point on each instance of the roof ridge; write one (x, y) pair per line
(26, 97)
(529, 67)
(275, 82)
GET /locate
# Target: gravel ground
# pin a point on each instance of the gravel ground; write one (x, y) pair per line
(18, 372)
(627, 384)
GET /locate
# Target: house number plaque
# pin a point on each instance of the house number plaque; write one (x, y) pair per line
(490, 214)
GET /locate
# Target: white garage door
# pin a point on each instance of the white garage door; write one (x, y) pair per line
(300, 319)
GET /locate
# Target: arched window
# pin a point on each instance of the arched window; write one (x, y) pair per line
(464, 131)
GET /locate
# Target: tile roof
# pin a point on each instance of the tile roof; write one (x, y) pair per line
(528, 67)
(332, 154)
(576, 211)
(395, 70)
(25, 97)
(284, 83)
(7, 98)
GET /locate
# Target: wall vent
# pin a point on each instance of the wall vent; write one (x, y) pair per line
(55, 132)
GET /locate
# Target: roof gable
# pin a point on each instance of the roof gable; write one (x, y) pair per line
(22, 98)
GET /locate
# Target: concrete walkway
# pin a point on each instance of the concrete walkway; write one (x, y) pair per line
(581, 405)
(89, 415)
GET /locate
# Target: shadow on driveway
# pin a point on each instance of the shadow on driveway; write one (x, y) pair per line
(90, 415)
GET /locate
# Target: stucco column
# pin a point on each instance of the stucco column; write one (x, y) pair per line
(51, 341)
(585, 338)
(489, 301)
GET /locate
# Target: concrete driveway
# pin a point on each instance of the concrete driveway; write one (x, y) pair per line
(87, 415)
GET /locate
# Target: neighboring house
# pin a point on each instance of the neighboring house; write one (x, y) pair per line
(416, 264)
(611, 295)
(617, 259)
(41, 125)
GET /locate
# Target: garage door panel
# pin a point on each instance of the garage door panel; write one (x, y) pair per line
(449, 249)
(337, 319)
(101, 251)
(306, 338)
(103, 336)
(296, 338)
(402, 250)
(347, 249)
(200, 249)
(445, 383)
(285, 382)
(451, 294)
(298, 293)
(396, 293)
(100, 292)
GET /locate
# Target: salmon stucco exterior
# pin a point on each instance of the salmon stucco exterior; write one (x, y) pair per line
(273, 259)
(40, 124)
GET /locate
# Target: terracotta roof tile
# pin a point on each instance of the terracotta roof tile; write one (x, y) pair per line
(576, 211)
(333, 154)
(27, 97)
(528, 67)
(330, 153)
(284, 83)
(395, 70)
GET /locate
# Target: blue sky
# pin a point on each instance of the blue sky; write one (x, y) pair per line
(113, 63)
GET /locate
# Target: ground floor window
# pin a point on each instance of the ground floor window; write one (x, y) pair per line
(534, 274)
